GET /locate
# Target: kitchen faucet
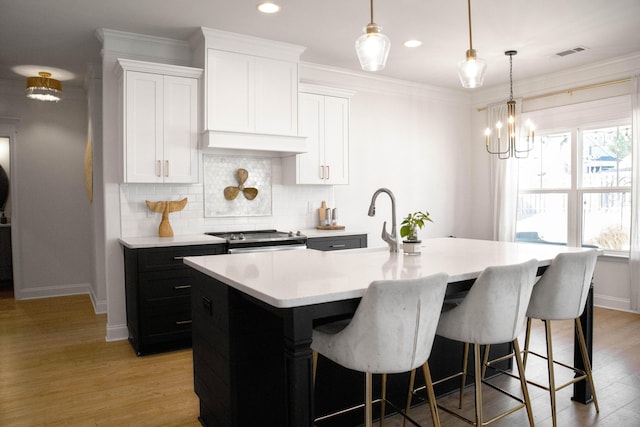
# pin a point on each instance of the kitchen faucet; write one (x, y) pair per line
(391, 239)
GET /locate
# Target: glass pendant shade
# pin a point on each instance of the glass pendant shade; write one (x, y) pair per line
(373, 48)
(44, 88)
(471, 71)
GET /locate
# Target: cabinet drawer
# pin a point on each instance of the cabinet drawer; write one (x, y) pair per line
(167, 284)
(338, 243)
(171, 257)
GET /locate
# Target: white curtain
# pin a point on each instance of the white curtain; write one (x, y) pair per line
(634, 256)
(504, 178)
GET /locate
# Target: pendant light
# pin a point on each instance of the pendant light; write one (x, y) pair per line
(511, 149)
(373, 47)
(44, 88)
(471, 70)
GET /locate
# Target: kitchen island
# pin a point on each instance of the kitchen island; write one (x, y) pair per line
(253, 316)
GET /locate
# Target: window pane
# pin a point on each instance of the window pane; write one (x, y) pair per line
(548, 164)
(606, 220)
(606, 157)
(542, 218)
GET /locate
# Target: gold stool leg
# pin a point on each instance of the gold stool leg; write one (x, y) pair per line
(527, 339)
(314, 356)
(465, 358)
(523, 381)
(368, 416)
(485, 360)
(552, 381)
(586, 362)
(432, 396)
(478, 383)
(412, 380)
(383, 400)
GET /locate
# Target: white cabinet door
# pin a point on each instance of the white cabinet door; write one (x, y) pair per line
(276, 97)
(160, 128)
(324, 121)
(336, 140)
(180, 129)
(251, 94)
(309, 167)
(230, 91)
(143, 127)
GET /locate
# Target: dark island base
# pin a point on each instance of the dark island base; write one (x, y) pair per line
(252, 362)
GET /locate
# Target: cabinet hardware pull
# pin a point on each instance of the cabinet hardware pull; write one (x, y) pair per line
(322, 172)
(177, 258)
(338, 246)
(176, 287)
(183, 322)
(328, 172)
(159, 168)
(166, 169)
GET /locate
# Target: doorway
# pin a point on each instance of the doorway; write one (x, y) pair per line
(6, 264)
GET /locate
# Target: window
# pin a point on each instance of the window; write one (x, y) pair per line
(575, 187)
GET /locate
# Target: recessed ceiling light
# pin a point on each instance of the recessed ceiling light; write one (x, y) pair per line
(413, 43)
(268, 7)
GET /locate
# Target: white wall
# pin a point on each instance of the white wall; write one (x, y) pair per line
(53, 248)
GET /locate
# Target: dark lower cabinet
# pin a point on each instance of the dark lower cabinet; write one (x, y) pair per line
(158, 295)
(336, 243)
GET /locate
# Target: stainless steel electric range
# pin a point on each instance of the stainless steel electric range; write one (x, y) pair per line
(261, 240)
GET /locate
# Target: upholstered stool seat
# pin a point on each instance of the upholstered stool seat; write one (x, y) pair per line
(391, 331)
(493, 312)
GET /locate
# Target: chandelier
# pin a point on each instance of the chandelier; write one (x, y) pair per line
(44, 88)
(471, 70)
(511, 148)
(373, 47)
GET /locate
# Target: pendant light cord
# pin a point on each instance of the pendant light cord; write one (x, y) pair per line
(511, 77)
(372, 11)
(470, 38)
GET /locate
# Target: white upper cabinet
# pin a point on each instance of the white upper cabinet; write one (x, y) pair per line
(324, 120)
(159, 122)
(251, 93)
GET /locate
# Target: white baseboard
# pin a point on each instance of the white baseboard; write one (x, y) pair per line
(614, 303)
(52, 291)
(99, 307)
(117, 333)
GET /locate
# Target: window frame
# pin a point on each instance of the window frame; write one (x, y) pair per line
(575, 193)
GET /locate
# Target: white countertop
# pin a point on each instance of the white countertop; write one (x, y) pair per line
(296, 278)
(314, 232)
(158, 242)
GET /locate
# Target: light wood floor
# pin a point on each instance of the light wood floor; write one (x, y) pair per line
(57, 369)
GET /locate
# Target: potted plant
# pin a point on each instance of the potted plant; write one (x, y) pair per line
(409, 230)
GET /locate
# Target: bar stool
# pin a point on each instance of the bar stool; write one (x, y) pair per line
(493, 312)
(391, 331)
(561, 294)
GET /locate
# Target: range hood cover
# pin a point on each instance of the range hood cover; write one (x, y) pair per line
(263, 145)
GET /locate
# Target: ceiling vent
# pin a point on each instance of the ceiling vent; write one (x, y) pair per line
(571, 51)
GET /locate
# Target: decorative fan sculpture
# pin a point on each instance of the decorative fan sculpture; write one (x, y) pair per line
(166, 207)
(250, 193)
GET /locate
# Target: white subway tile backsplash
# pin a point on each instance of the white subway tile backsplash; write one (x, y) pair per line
(289, 207)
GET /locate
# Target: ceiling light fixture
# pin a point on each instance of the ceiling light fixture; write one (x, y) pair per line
(511, 149)
(373, 47)
(471, 70)
(413, 43)
(44, 88)
(268, 7)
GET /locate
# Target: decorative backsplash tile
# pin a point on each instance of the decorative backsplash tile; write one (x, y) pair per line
(222, 172)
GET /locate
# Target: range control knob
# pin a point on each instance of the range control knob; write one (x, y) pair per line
(298, 233)
(241, 236)
(232, 237)
(290, 233)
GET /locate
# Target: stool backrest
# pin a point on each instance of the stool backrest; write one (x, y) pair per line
(561, 292)
(395, 323)
(494, 310)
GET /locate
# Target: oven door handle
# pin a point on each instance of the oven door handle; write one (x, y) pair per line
(266, 248)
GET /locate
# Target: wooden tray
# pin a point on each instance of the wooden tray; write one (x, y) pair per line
(330, 227)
